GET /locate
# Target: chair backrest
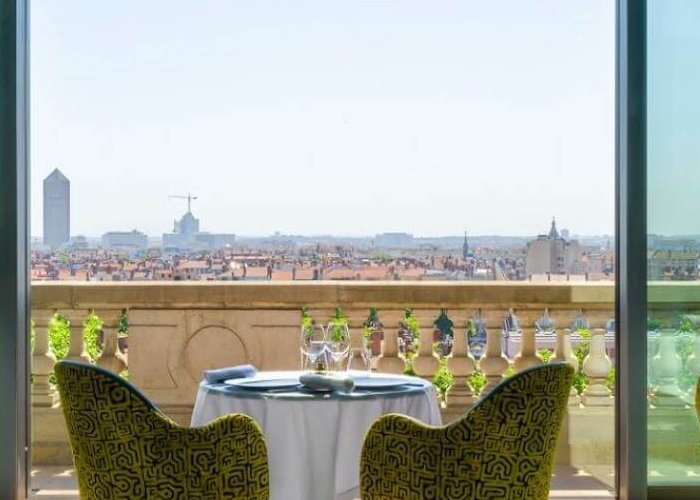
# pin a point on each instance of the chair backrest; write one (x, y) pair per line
(503, 448)
(123, 447)
(507, 442)
(697, 398)
(105, 417)
(84, 380)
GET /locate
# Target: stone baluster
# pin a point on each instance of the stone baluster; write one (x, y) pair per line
(461, 364)
(667, 367)
(425, 364)
(76, 346)
(390, 362)
(111, 357)
(563, 353)
(43, 360)
(596, 366)
(527, 356)
(376, 342)
(692, 364)
(377, 333)
(362, 341)
(356, 362)
(652, 348)
(494, 363)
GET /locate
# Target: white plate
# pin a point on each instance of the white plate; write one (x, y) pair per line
(380, 382)
(263, 384)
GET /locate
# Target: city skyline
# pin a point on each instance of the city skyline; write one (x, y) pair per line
(327, 117)
(571, 234)
(185, 256)
(188, 219)
(189, 224)
(190, 198)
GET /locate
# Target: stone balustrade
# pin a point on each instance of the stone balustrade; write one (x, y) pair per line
(178, 329)
(43, 360)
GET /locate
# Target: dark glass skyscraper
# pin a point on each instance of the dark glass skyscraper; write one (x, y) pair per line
(56, 209)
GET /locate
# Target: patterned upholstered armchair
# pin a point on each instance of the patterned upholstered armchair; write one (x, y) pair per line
(503, 448)
(697, 398)
(124, 448)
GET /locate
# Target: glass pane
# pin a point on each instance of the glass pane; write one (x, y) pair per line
(405, 143)
(674, 241)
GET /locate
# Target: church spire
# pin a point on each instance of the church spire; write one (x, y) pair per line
(465, 246)
(553, 233)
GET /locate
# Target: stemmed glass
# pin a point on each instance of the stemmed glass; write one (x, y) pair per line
(338, 341)
(313, 344)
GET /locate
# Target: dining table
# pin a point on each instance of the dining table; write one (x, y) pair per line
(314, 438)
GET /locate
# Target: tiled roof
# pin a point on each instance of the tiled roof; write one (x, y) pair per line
(282, 276)
(256, 272)
(192, 264)
(341, 274)
(304, 274)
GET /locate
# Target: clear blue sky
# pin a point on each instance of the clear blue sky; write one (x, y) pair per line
(327, 116)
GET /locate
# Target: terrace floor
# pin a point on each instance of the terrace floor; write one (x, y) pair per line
(58, 483)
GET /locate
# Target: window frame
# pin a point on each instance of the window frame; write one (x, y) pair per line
(14, 250)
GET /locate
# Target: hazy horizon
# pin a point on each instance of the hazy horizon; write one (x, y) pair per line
(317, 117)
(370, 236)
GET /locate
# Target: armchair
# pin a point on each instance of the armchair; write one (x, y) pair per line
(125, 448)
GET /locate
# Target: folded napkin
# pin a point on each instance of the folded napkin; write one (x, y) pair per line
(221, 374)
(319, 382)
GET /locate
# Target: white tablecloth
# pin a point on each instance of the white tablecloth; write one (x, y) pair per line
(314, 441)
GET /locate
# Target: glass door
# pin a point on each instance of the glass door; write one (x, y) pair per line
(673, 247)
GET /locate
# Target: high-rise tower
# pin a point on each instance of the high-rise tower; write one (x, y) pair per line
(56, 209)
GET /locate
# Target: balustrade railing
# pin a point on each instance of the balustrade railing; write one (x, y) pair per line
(178, 329)
(64, 330)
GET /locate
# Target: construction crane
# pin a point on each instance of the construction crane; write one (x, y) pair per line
(189, 199)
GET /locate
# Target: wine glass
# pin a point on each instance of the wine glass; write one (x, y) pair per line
(338, 341)
(313, 344)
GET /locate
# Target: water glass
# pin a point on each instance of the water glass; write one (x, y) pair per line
(313, 345)
(338, 342)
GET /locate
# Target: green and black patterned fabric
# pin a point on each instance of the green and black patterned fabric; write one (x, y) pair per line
(124, 448)
(697, 398)
(503, 448)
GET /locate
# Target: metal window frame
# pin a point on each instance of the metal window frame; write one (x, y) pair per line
(631, 454)
(631, 249)
(14, 250)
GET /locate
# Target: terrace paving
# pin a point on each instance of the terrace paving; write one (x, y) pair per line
(59, 483)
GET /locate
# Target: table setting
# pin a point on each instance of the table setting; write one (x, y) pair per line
(315, 419)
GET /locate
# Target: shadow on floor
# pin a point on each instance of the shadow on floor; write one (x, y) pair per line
(569, 483)
(53, 483)
(59, 483)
